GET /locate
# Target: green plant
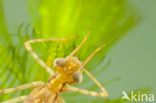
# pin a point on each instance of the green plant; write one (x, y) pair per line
(62, 18)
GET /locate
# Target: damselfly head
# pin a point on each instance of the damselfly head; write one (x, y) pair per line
(69, 67)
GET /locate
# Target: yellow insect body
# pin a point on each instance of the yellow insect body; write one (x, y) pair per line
(67, 71)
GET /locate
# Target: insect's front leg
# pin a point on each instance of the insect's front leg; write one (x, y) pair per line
(15, 100)
(95, 80)
(80, 45)
(29, 85)
(91, 93)
(37, 58)
(83, 91)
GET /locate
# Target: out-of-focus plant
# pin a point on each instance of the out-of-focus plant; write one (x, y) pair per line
(62, 19)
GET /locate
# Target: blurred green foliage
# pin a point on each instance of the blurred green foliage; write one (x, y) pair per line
(62, 19)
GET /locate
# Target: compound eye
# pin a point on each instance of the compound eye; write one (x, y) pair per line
(59, 62)
(77, 76)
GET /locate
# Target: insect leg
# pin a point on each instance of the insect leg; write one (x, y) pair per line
(29, 85)
(37, 58)
(90, 93)
(84, 40)
(15, 100)
(88, 59)
(83, 91)
(95, 81)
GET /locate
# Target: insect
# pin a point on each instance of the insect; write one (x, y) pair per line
(67, 71)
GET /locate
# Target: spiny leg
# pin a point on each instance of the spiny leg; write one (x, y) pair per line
(29, 85)
(37, 58)
(84, 40)
(15, 100)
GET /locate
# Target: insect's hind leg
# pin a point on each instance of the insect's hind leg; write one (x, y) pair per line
(15, 100)
(22, 87)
